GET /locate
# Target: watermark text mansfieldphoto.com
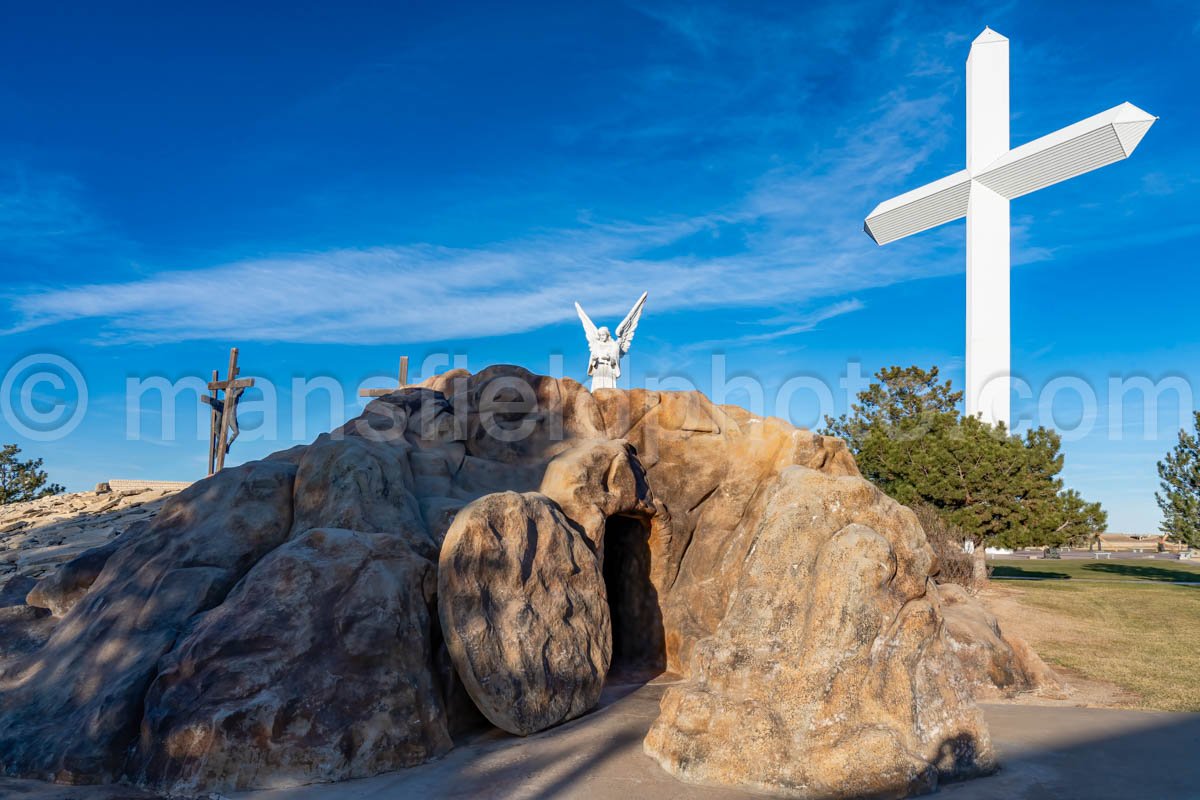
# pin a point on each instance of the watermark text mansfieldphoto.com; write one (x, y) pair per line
(45, 397)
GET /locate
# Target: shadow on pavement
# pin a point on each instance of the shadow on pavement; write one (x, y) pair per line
(1088, 754)
(1063, 753)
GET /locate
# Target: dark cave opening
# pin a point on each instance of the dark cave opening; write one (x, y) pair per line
(639, 641)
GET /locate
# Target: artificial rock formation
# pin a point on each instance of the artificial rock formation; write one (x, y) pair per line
(23, 628)
(994, 664)
(73, 707)
(38, 535)
(503, 543)
(828, 676)
(524, 612)
(320, 657)
(52, 550)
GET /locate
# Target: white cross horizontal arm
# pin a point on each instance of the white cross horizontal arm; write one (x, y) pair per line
(931, 205)
(1090, 144)
(1087, 145)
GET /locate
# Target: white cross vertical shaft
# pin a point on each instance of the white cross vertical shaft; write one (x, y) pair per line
(988, 249)
(981, 193)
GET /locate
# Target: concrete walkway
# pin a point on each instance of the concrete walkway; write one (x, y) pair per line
(1088, 753)
(1046, 752)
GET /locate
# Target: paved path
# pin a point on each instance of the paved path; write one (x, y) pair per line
(1051, 579)
(1046, 752)
(1088, 753)
(1109, 557)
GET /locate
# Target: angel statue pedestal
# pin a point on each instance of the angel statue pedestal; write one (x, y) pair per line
(604, 363)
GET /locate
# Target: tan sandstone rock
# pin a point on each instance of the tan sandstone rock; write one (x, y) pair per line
(229, 708)
(61, 589)
(24, 629)
(361, 485)
(524, 612)
(578, 537)
(710, 467)
(595, 481)
(38, 536)
(994, 663)
(829, 676)
(72, 708)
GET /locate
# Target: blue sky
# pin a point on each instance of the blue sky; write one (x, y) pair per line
(329, 188)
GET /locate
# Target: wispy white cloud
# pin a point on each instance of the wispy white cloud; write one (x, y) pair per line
(39, 212)
(796, 324)
(793, 239)
(799, 235)
(1160, 184)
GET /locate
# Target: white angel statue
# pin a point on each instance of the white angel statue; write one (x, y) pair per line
(604, 365)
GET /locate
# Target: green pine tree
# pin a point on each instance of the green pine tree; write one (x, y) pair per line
(22, 480)
(1180, 495)
(910, 440)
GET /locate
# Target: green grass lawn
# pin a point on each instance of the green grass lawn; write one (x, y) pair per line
(1144, 637)
(1068, 569)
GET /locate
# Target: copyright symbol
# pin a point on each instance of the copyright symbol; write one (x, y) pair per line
(43, 397)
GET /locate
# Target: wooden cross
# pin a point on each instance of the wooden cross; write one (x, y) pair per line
(385, 392)
(222, 420)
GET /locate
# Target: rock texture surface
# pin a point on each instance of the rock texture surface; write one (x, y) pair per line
(37, 536)
(23, 628)
(524, 612)
(993, 663)
(504, 541)
(72, 708)
(52, 550)
(869, 705)
(229, 707)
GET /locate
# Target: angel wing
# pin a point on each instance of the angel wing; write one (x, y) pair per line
(628, 325)
(589, 327)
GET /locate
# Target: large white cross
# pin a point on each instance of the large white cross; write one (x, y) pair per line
(994, 175)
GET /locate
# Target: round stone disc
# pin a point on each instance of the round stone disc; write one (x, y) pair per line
(524, 612)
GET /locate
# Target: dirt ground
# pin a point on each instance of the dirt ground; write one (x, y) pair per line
(1029, 623)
